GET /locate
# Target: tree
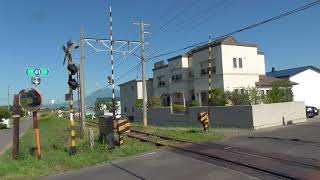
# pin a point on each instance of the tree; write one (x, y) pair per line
(281, 92)
(239, 98)
(154, 102)
(195, 103)
(218, 97)
(138, 103)
(255, 96)
(4, 113)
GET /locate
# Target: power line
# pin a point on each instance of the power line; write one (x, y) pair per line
(224, 4)
(299, 9)
(202, 14)
(176, 16)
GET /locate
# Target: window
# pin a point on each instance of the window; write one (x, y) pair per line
(125, 109)
(234, 62)
(206, 70)
(132, 88)
(176, 77)
(132, 109)
(242, 91)
(161, 81)
(262, 92)
(236, 91)
(237, 63)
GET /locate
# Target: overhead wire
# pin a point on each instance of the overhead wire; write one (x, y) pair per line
(299, 9)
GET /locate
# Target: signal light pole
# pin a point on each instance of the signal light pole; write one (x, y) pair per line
(73, 85)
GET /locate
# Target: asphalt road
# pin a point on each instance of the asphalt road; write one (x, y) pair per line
(157, 165)
(300, 140)
(6, 134)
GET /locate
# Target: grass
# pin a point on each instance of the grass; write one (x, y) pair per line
(195, 135)
(54, 137)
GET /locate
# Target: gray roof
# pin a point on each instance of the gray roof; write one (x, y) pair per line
(291, 72)
(266, 81)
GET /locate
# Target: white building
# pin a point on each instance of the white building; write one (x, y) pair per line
(308, 79)
(131, 91)
(235, 66)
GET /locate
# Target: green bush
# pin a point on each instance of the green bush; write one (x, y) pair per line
(218, 98)
(281, 92)
(178, 108)
(4, 113)
(239, 98)
(195, 103)
(3, 126)
(151, 102)
(154, 102)
(255, 96)
(138, 103)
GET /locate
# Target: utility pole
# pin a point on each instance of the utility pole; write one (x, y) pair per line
(143, 76)
(209, 76)
(8, 98)
(79, 108)
(82, 90)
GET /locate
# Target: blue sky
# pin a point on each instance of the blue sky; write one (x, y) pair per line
(32, 33)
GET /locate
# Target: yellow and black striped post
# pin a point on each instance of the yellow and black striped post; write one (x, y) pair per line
(209, 81)
(71, 103)
(203, 118)
(123, 126)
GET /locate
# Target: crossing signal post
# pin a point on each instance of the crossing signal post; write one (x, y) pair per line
(73, 85)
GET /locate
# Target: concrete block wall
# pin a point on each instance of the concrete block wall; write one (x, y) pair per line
(255, 117)
(266, 115)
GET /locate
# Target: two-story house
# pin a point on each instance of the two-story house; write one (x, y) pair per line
(235, 66)
(131, 91)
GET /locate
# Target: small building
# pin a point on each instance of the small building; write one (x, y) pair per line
(131, 91)
(308, 83)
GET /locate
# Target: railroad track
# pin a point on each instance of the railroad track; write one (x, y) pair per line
(274, 166)
(279, 167)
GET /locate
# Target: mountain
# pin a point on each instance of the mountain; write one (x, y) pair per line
(101, 93)
(104, 93)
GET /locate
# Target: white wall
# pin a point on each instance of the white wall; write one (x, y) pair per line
(252, 62)
(128, 97)
(308, 89)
